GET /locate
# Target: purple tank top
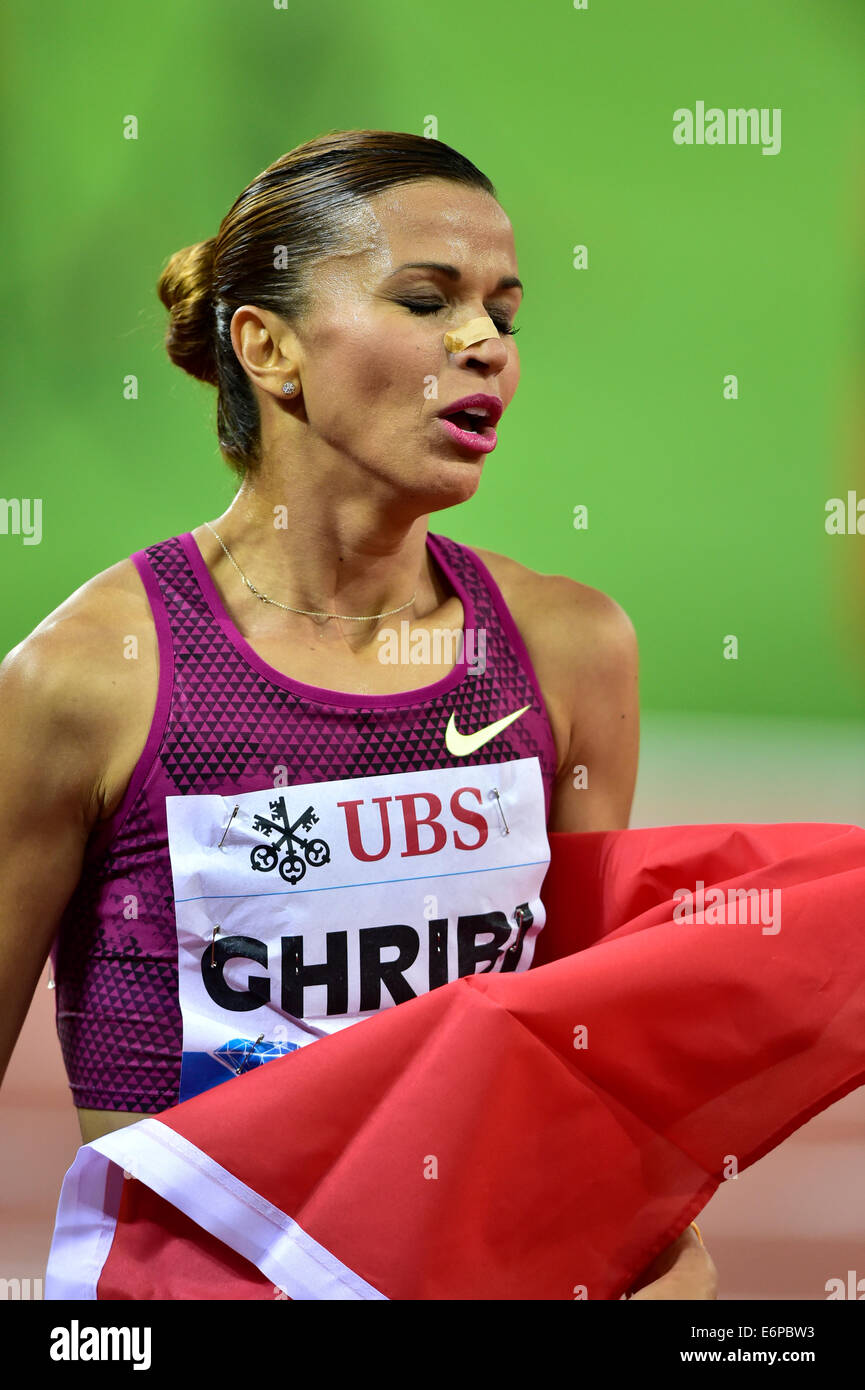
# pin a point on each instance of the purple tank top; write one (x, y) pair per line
(224, 721)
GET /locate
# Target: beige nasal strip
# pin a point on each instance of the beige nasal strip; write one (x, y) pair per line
(475, 331)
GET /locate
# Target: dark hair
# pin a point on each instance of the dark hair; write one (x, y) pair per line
(290, 216)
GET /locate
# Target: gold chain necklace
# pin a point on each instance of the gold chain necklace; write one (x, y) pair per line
(307, 612)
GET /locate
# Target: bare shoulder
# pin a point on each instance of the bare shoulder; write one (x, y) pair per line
(76, 679)
(76, 643)
(582, 645)
(553, 609)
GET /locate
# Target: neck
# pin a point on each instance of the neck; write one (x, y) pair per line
(351, 558)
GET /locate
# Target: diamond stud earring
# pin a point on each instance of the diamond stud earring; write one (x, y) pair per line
(289, 388)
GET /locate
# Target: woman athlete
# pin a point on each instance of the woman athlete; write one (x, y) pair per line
(298, 637)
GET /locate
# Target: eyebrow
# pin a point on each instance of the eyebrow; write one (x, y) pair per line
(507, 282)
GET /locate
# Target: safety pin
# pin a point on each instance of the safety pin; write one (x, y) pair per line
(495, 793)
(518, 918)
(213, 947)
(519, 914)
(237, 1070)
(228, 827)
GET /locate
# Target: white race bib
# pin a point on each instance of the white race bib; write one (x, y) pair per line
(315, 906)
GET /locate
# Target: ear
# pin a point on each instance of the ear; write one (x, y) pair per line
(265, 346)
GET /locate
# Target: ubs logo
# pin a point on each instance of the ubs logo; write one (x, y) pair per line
(292, 867)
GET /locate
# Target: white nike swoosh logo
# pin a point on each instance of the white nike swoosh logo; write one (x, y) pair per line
(463, 744)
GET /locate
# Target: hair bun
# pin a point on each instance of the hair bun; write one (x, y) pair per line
(186, 289)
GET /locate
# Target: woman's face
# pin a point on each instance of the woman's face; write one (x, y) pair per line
(370, 355)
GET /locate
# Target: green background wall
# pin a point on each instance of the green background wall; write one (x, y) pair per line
(706, 516)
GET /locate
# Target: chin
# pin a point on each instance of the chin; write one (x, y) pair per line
(447, 483)
(433, 483)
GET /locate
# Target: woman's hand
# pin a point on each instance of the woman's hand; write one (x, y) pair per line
(684, 1270)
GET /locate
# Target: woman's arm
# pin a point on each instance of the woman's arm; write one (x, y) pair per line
(69, 704)
(593, 675)
(47, 807)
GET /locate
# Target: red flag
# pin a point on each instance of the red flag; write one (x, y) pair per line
(698, 993)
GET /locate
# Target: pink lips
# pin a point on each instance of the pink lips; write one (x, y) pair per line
(482, 443)
(484, 440)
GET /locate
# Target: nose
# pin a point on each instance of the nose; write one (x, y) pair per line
(477, 341)
(475, 331)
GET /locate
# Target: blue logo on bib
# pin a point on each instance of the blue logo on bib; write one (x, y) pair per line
(239, 1054)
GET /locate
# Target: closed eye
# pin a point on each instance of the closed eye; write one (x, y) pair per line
(428, 306)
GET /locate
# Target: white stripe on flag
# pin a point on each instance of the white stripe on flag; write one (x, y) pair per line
(205, 1192)
(84, 1228)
